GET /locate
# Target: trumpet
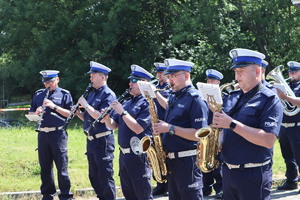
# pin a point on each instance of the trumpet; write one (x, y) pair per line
(43, 108)
(106, 112)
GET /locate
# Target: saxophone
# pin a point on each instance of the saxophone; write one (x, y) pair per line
(208, 145)
(155, 153)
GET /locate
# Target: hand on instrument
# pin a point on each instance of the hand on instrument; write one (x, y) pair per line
(82, 101)
(161, 127)
(281, 94)
(106, 117)
(77, 112)
(117, 107)
(49, 103)
(39, 110)
(221, 120)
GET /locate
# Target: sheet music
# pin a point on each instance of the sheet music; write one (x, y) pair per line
(280, 87)
(210, 90)
(34, 118)
(146, 88)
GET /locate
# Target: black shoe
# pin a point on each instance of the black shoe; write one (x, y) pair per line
(288, 186)
(158, 191)
(207, 192)
(166, 194)
(219, 195)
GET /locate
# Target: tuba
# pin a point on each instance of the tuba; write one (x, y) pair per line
(209, 145)
(155, 153)
(277, 77)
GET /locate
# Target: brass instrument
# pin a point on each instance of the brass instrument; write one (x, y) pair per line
(155, 153)
(277, 77)
(209, 145)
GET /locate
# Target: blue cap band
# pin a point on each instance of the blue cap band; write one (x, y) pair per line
(95, 70)
(243, 60)
(140, 74)
(160, 69)
(179, 68)
(211, 76)
(294, 68)
(50, 76)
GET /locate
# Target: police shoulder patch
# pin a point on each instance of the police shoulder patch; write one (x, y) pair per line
(39, 91)
(193, 92)
(65, 91)
(267, 92)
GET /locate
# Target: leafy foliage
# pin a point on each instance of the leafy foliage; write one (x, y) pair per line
(66, 34)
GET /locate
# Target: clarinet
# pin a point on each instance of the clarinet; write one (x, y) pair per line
(106, 112)
(43, 109)
(85, 94)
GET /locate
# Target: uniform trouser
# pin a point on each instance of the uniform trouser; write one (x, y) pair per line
(184, 179)
(212, 179)
(247, 183)
(100, 154)
(135, 176)
(52, 146)
(289, 139)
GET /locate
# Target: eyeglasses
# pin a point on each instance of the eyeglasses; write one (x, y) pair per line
(134, 80)
(174, 75)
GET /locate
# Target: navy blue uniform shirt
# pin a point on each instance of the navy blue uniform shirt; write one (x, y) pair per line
(166, 93)
(60, 97)
(185, 109)
(295, 87)
(262, 111)
(98, 99)
(138, 108)
(268, 85)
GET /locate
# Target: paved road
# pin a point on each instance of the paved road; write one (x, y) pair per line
(276, 194)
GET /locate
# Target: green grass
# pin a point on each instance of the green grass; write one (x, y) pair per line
(19, 168)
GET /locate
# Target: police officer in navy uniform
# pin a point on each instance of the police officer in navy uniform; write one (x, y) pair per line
(52, 140)
(163, 85)
(289, 137)
(264, 65)
(213, 179)
(186, 112)
(132, 118)
(100, 139)
(251, 122)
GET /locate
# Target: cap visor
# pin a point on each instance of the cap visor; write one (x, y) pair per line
(48, 79)
(171, 72)
(132, 76)
(239, 66)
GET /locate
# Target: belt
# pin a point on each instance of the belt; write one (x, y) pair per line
(248, 165)
(125, 150)
(50, 129)
(288, 125)
(181, 154)
(98, 135)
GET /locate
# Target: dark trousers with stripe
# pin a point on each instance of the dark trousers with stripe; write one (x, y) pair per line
(289, 139)
(184, 179)
(52, 147)
(247, 183)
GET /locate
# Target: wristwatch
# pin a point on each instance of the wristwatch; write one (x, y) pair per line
(172, 130)
(124, 113)
(232, 125)
(55, 107)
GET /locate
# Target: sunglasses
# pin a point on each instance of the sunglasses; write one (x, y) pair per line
(134, 80)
